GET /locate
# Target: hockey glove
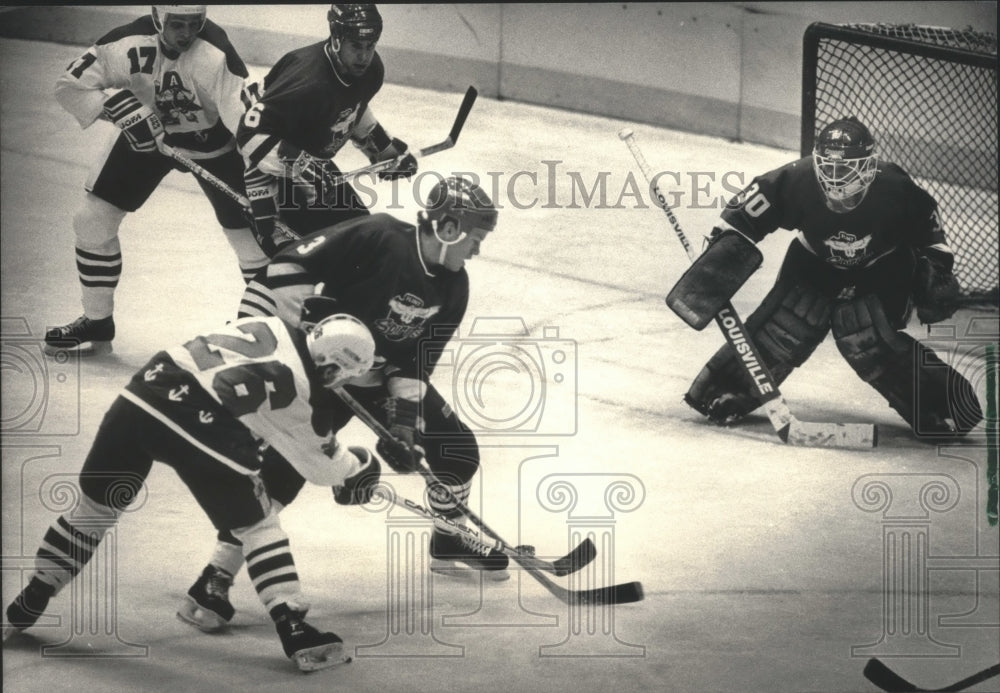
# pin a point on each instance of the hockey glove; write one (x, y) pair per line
(358, 488)
(406, 165)
(936, 291)
(140, 123)
(402, 454)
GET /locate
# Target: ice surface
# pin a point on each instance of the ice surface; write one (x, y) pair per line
(763, 565)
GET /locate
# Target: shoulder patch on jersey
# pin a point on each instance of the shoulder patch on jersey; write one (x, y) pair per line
(216, 35)
(143, 26)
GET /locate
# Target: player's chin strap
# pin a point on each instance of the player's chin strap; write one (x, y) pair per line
(446, 244)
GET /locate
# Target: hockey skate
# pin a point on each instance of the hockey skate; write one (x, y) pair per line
(82, 336)
(24, 611)
(448, 550)
(303, 644)
(207, 605)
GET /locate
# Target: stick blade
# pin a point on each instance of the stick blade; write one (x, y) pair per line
(463, 113)
(583, 554)
(626, 593)
(885, 678)
(851, 436)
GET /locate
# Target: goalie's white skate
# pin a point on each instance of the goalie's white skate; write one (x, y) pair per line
(310, 649)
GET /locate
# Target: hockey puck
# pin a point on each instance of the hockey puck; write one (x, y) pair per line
(525, 549)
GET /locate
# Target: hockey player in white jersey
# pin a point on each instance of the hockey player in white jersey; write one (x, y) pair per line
(179, 82)
(205, 408)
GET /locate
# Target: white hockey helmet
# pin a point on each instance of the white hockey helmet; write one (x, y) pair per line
(162, 12)
(845, 162)
(341, 347)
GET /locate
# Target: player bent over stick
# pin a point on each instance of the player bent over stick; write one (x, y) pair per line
(181, 84)
(203, 408)
(314, 99)
(409, 286)
(870, 248)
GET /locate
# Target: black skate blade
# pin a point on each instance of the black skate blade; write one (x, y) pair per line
(321, 657)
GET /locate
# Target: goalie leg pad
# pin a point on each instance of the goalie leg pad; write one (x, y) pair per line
(787, 327)
(930, 395)
(718, 273)
(865, 337)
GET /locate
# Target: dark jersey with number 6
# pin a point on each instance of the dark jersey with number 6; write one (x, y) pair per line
(896, 212)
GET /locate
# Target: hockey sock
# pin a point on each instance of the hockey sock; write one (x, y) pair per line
(67, 547)
(443, 503)
(99, 274)
(228, 557)
(251, 258)
(269, 561)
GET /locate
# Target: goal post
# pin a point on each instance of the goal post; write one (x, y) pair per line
(929, 96)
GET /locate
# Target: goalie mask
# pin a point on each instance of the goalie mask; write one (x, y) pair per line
(845, 163)
(342, 348)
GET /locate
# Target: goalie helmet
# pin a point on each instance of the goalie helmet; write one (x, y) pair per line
(342, 348)
(845, 163)
(463, 201)
(355, 22)
(162, 12)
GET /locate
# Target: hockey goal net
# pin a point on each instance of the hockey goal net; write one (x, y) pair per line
(929, 96)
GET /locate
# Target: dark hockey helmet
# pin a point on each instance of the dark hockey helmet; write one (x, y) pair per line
(845, 162)
(463, 201)
(161, 13)
(355, 22)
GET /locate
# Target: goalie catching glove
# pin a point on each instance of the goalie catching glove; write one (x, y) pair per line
(358, 488)
(935, 291)
(402, 417)
(141, 125)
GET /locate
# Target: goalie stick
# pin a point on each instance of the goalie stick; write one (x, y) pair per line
(581, 555)
(789, 428)
(615, 594)
(378, 167)
(888, 680)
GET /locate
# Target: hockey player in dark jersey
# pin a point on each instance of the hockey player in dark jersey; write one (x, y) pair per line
(408, 285)
(870, 248)
(203, 408)
(313, 101)
(181, 83)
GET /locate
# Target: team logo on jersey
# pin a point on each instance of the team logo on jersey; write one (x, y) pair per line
(847, 250)
(406, 318)
(174, 101)
(340, 131)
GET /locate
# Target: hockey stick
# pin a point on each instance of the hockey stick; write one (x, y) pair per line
(198, 170)
(449, 142)
(581, 555)
(888, 680)
(789, 428)
(615, 594)
(456, 129)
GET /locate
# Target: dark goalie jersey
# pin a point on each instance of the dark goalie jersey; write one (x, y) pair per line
(895, 212)
(373, 266)
(306, 104)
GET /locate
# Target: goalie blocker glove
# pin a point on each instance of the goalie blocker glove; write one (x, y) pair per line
(140, 124)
